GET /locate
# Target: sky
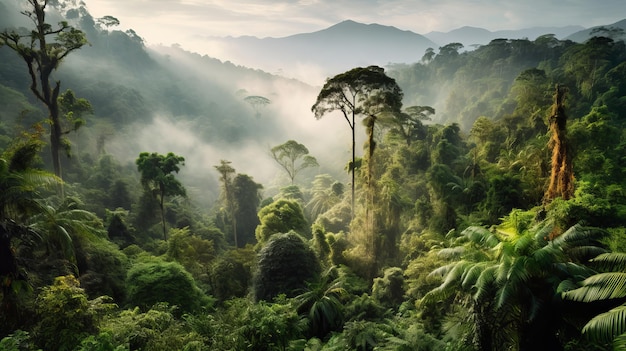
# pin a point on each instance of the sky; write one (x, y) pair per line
(186, 22)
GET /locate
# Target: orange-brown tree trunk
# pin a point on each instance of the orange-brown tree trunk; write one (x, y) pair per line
(561, 176)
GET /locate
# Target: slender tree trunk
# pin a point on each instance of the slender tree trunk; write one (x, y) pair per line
(55, 133)
(370, 216)
(353, 168)
(162, 208)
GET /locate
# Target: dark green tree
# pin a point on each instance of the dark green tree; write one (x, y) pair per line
(285, 265)
(43, 56)
(157, 178)
(409, 124)
(247, 197)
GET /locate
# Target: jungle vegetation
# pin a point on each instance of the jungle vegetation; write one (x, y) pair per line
(488, 210)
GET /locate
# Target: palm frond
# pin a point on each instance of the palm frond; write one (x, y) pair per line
(451, 252)
(610, 261)
(472, 274)
(481, 236)
(605, 327)
(577, 235)
(586, 252)
(619, 343)
(598, 287)
(442, 271)
(567, 285)
(523, 244)
(485, 283)
(548, 255)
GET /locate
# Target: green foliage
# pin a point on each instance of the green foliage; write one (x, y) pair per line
(231, 273)
(609, 285)
(504, 194)
(285, 265)
(389, 289)
(102, 267)
(65, 315)
(514, 278)
(367, 92)
(153, 281)
(281, 216)
(18, 341)
(325, 193)
(322, 304)
(262, 326)
(156, 329)
(194, 253)
(247, 198)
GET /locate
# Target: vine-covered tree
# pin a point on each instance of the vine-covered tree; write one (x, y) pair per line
(157, 178)
(227, 194)
(43, 56)
(285, 266)
(562, 175)
(247, 197)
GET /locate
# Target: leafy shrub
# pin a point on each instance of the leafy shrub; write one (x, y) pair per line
(156, 330)
(389, 289)
(65, 314)
(155, 280)
(231, 273)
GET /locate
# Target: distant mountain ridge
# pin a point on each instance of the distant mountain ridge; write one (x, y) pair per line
(471, 36)
(333, 50)
(316, 55)
(585, 34)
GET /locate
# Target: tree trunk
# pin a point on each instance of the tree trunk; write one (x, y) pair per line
(162, 208)
(562, 175)
(353, 168)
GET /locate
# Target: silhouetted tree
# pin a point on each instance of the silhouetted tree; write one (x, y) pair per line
(43, 56)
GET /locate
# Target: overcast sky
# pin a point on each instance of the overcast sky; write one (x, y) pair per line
(178, 21)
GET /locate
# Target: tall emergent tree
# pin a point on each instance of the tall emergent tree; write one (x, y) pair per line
(43, 49)
(293, 157)
(227, 173)
(365, 92)
(157, 178)
(562, 175)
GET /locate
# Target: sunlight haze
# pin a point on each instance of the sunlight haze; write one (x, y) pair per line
(184, 21)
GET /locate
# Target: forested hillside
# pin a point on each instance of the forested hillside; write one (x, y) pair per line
(201, 205)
